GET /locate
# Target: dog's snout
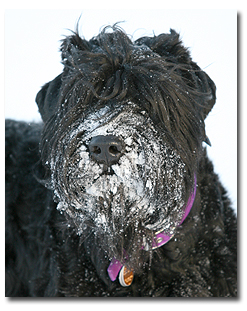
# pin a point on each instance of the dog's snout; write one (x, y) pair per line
(106, 149)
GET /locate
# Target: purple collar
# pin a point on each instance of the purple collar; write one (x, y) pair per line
(159, 240)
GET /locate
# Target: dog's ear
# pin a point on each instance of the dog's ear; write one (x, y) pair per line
(170, 47)
(205, 87)
(47, 98)
(167, 45)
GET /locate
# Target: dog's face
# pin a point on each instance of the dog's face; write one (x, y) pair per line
(143, 190)
(122, 144)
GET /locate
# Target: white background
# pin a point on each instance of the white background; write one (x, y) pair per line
(32, 58)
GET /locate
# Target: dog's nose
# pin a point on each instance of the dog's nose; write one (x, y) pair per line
(106, 149)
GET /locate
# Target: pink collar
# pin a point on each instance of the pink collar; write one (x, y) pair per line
(159, 240)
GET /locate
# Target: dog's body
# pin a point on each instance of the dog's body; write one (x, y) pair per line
(116, 179)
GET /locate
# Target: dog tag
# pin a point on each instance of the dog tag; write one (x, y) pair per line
(126, 276)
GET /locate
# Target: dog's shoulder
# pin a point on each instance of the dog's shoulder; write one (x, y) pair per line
(21, 143)
(21, 154)
(27, 206)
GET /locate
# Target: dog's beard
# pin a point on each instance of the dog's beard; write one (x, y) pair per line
(126, 204)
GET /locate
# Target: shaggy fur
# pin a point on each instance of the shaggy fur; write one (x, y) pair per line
(69, 214)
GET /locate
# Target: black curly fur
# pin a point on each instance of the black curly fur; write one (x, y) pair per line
(45, 256)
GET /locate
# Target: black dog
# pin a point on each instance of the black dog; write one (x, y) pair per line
(114, 195)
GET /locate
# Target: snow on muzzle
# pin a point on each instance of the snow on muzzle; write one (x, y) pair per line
(142, 185)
